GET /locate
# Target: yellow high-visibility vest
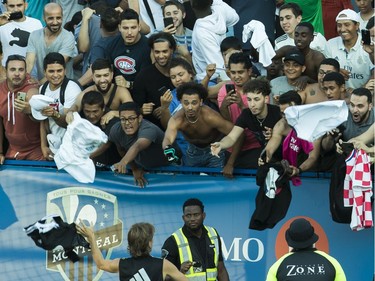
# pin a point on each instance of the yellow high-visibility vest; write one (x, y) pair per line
(185, 255)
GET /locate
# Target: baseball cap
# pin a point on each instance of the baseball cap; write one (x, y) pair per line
(296, 56)
(300, 234)
(37, 103)
(348, 14)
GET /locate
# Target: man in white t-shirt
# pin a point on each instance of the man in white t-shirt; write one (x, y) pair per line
(14, 34)
(64, 93)
(347, 50)
(290, 17)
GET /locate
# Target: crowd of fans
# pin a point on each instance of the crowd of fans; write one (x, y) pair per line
(169, 86)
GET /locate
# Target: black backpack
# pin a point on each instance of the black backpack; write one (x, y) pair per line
(62, 88)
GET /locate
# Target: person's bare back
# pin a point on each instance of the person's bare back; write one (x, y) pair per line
(312, 62)
(312, 94)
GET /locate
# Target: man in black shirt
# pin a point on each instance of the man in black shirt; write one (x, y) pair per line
(305, 262)
(259, 118)
(153, 81)
(203, 246)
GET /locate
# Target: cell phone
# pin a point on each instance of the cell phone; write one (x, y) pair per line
(197, 264)
(347, 147)
(168, 21)
(229, 88)
(366, 38)
(21, 96)
(15, 16)
(162, 90)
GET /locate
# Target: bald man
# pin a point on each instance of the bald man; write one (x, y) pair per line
(55, 37)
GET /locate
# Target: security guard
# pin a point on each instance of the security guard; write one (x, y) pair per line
(305, 262)
(195, 248)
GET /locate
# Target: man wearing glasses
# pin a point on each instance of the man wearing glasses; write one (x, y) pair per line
(138, 141)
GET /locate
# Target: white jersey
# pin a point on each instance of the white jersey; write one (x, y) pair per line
(356, 61)
(319, 43)
(362, 22)
(14, 36)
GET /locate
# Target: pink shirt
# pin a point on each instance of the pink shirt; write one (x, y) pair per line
(250, 141)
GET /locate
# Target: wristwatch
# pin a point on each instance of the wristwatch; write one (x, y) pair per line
(56, 115)
(129, 84)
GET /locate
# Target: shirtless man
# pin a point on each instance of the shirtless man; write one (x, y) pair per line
(113, 95)
(303, 36)
(200, 125)
(314, 93)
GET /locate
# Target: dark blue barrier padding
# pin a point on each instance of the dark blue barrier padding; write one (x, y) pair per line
(31, 192)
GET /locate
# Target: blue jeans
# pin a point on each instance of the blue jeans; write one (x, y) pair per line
(202, 157)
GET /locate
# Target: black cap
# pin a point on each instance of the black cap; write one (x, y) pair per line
(296, 56)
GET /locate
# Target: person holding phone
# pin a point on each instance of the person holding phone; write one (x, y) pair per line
(260, 117)
(174, 14)
(15, 28)
(361, 118)
(204, 246)
(21, 131)
(147, 95)
(232, 101)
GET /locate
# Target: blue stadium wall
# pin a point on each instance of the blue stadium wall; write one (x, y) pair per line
(113, 203)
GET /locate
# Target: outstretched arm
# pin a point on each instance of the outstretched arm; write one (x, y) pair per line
(106, 265)
(227, 141)
(131, 154)
(170, 133)
(169, 269)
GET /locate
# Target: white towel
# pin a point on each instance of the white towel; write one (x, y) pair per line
(259, 40)
(311, 121)
(80, 140)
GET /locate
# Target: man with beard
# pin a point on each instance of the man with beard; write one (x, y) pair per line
(148, 86)
(52, 38)
(259, 118)
(14, 34)
(112, 94)
(360, 118)
(203, 246)
(200, 126)
(128, 51)
(16, 125)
